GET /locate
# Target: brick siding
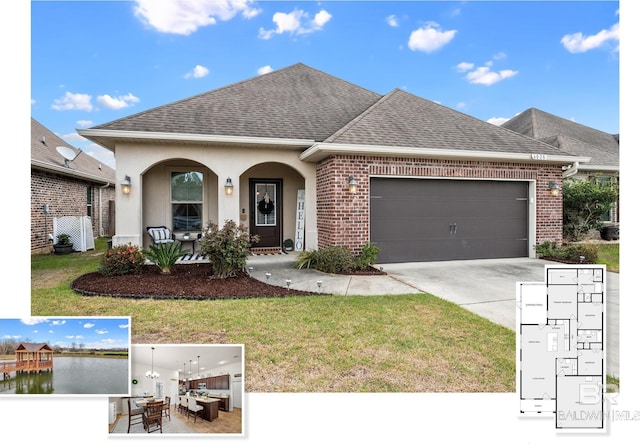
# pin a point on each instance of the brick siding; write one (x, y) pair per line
(343, 218)
(66, 196)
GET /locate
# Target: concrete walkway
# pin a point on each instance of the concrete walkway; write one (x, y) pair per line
(485, 287)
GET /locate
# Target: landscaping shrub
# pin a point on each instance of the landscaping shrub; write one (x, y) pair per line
(164, 255)
(367, 257)
(335, 260)
(121, 260)
(338, 259)
(306, 259)
(227, 248)
(570, 253)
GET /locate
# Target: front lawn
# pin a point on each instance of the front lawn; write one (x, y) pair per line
(407, 343)
(609, 255)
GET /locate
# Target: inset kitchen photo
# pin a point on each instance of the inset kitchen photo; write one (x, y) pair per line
(182, 389)
(65, 356)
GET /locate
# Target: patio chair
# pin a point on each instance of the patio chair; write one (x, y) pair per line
(161, 235)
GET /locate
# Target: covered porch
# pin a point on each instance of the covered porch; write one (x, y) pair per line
(209, 185)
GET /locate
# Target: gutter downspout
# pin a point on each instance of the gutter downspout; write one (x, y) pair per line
(571, 170)
(100, 228)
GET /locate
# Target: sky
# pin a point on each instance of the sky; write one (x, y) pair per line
(91, 332)
(96, 61)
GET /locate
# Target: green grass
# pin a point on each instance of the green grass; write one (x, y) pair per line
(609, 255)
(399, 343)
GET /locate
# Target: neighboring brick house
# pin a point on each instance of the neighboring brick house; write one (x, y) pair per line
(81, 187)
(574, 138)
(300, 154)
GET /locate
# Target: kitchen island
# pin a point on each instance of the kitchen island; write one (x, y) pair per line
(210, 411)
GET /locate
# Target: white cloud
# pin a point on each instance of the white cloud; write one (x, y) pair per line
(578, 42)
(186, 16)
(73, 101)
(73, 138)
(123, 326)
(464, 66)
(265, 69)
(392, 21)
(58, 322)
(461, 105)
(101, 154)
(84, 123)
(11, 337)
(88, 325)
(117, 102)
(198, 72)
(102, 332)
(33, 321)
(497, 121)
(430, 38)
(295, 23)
(484, 76)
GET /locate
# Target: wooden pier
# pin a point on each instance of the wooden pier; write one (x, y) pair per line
(29, 358)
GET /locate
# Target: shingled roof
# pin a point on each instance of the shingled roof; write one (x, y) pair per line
(297, 102)
(308, 106)
(568, 136)
(44, 156)
(405, 120)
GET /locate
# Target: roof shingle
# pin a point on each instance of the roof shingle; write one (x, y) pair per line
(570, 137)
(297, 102)
(44, 153)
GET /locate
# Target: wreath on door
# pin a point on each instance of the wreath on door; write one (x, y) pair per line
(265, 206)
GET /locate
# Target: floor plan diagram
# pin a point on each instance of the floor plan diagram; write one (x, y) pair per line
(561, 346)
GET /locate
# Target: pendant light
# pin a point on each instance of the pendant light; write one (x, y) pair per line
(151, 373)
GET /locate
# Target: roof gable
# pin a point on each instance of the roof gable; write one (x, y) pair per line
(297, 102)
(403, 119)
(45, 156)
(33, 347)
(569, 136)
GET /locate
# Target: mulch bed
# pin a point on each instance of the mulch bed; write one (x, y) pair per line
(186, 281)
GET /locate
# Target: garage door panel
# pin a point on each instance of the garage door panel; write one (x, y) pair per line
(433, 219)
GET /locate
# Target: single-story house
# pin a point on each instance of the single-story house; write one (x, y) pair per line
(574, 138)
(300, 154)
(76, 185)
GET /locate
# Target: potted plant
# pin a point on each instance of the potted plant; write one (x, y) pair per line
(63, 244)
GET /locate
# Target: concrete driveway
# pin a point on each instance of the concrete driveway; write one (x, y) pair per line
(485, 287)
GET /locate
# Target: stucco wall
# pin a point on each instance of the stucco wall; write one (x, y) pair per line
(144, 164)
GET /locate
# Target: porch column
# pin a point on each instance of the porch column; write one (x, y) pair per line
(228, 204)
(128, 210)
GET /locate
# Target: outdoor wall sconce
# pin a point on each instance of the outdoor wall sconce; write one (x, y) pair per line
(228, 187)
(353, 185)
(126, 185)
(554, 188)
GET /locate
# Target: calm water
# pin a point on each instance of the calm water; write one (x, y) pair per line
(72, 376)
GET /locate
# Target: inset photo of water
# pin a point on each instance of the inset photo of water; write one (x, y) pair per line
(65, 356)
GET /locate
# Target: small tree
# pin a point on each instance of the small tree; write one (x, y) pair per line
(584, 202)
(227, 248)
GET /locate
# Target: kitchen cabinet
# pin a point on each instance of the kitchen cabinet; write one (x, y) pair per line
(223, 404)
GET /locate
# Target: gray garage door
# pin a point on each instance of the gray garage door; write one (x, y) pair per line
(438, 219)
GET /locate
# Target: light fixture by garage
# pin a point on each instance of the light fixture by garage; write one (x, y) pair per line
(126, 185)
(554, 188)
(228, 187)
(353, 185)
